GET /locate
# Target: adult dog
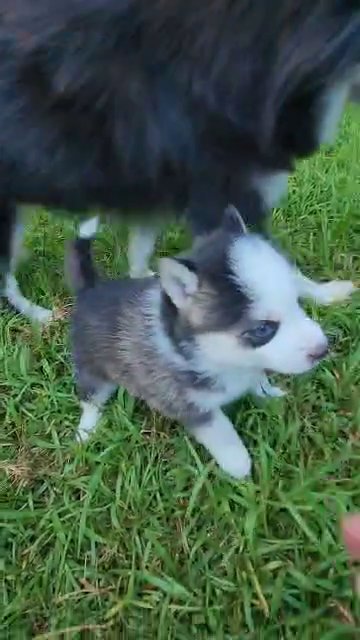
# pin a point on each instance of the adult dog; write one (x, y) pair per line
(147, 107)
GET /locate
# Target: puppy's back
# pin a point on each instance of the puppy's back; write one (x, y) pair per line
(107, 327)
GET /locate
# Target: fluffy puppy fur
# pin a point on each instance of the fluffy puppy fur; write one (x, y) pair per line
(142, 107)
(196, 337)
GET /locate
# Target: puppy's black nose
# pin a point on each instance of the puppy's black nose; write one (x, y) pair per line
(319, 353)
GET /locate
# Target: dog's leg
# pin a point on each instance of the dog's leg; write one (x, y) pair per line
(91, 410)
(23, 305)
(7, 225)
(141, 246)
(324, 292)
(89, 228)
(12, 290)
(219, 437)
(264, 389)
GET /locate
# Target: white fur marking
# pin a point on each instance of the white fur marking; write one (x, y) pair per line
(89, 228)
(221, 440)
(23, 305)
(263, 272)
(268, 279)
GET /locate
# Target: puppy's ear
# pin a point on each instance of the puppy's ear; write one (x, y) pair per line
(178, 280)
(232, 220)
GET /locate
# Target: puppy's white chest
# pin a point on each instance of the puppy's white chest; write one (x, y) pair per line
(230, 385)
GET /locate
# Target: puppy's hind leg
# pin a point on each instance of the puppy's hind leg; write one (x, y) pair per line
(324, 292)
(94, 393)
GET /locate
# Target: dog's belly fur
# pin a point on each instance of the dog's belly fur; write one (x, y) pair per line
(130, 106)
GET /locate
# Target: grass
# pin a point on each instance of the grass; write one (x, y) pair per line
(137, 535)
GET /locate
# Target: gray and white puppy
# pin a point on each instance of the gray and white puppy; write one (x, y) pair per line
(197, 336)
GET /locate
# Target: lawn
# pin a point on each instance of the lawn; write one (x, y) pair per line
(137, 535)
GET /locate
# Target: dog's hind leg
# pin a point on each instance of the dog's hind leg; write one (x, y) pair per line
(141, 246)
(7, 226)
(142, 240)
(12, 290)
(23, 305)
(94, 393)
(324, 292)
(91, 410)
(89, 228)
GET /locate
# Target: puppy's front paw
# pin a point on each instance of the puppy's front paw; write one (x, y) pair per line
(335, 291)
(265, 389)
(146, 273)
(235, 461)
(81, 436)
(43, 316)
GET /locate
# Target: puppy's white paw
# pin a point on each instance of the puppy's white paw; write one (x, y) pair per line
(265, 389)
(89, 417)
(235, 461)
(81, 435)
(42, 315)
(220, 438)
(146, 273)
(335, 291)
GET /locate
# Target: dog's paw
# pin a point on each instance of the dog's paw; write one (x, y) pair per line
(82, 436)
(235, 461)
(335, 291)
(147, 273)
(88, 421)
(42, 315)
(264, 389)
(23, 305)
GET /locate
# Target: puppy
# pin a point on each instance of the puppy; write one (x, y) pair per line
(196, 337)
(149, 109)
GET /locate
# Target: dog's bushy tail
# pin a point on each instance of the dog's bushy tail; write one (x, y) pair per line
(79, 265)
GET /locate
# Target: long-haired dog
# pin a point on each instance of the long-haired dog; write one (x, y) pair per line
(196, 337)
(150, 107)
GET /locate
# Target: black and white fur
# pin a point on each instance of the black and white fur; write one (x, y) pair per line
(196, 337)
(150, 108)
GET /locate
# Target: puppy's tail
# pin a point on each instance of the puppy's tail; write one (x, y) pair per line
(79, 264)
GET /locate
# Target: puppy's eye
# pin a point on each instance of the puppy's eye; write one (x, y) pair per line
(262, 333)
